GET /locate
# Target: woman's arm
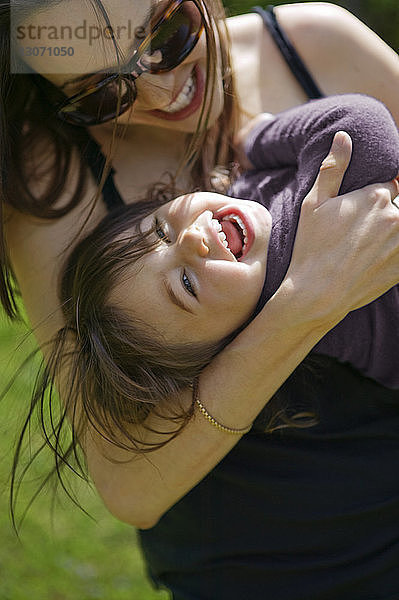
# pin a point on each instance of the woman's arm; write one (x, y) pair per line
(356, 231)
(238, 383)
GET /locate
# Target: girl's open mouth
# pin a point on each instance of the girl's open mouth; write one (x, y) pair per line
(235, 231)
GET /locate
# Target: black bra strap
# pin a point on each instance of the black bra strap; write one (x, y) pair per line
(289, 53)
(96, 161)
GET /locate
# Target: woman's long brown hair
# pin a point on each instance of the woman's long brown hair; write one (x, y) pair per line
(140, 372)
(28, 121)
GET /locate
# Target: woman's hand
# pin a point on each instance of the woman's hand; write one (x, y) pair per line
(346, 251)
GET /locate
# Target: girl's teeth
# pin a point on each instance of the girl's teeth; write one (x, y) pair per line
(240, 223)
(184, 98)
(222, 236)
(217, 225)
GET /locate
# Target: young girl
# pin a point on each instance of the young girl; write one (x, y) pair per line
(192, 274)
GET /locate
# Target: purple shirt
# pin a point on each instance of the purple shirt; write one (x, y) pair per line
(286, 153)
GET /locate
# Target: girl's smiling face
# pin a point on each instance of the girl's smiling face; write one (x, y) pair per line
(204, 278)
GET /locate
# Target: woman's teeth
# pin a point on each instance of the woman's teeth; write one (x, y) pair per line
(184, 98)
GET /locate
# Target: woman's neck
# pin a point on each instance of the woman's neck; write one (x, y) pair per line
(141, 155)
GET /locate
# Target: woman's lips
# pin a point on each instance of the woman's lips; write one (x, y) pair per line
(191, 108)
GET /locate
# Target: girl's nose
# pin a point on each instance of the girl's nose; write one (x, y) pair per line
(192, 243)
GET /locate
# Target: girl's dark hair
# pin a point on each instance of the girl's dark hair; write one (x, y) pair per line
(120, 369)
(28, 126)
(113, 370)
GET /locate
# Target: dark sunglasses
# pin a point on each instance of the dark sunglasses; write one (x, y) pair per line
(171, 38)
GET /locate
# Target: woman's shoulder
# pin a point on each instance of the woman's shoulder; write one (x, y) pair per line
(340, 52)
(309, 26)
(296, 19)
(323, 26)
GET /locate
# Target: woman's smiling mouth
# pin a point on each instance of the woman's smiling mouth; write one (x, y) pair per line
(185, 97)
(188, 100)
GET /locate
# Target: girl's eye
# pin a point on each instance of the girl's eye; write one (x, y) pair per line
(159, 230)
(187, 284)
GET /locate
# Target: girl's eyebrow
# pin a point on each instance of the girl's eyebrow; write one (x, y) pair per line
(173, 298)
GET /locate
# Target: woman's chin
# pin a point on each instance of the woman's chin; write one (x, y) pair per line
(187, 125)
(184, 121)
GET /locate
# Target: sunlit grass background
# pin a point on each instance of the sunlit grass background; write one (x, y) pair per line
(62, 554)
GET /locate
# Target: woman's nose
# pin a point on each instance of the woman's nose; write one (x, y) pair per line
(192, 243)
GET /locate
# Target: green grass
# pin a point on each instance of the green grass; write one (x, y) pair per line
(62, 554)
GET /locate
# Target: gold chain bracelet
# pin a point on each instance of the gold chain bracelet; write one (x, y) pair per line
(211, 419)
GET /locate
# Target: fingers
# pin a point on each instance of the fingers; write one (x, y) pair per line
(332, 169)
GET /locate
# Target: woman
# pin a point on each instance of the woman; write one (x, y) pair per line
(299, 311)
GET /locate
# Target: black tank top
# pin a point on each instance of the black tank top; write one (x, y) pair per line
(299, 514)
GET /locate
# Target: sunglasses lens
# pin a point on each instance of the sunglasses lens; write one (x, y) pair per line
(169, 41)
(173, 39)
(101, 106)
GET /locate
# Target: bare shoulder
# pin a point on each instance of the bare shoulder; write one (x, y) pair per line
(243, 28)
(341, 52)
(308, 14)
(301, 21)
(326, 26)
